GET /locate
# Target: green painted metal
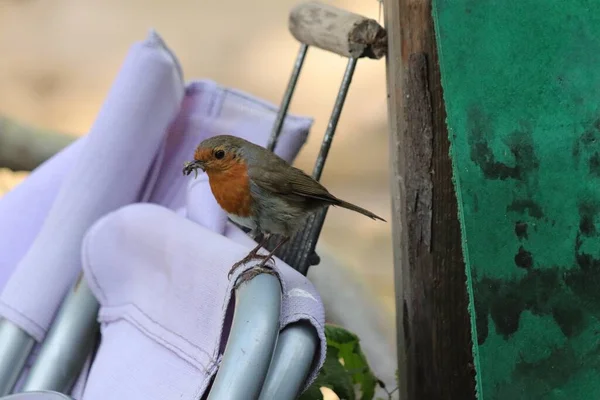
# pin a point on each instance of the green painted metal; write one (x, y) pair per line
(521, 83)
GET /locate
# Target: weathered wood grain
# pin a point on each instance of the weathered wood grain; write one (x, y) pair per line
(336, 30)
(435, 357)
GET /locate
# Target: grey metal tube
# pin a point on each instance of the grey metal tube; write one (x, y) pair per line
(287, 97)
(68, 343)
(41, 395)
(15, 347)
(300, 251)
(251, 342)
(335, 117)
(294, 355)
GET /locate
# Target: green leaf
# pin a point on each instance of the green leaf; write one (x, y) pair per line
(336, 335)
(334, 376)
(347, 347)
(337, 378)
(345, 366)
(312, 393)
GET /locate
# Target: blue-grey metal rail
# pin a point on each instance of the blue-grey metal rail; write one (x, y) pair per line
(39, 395)
(294, 355)
(68, 343)
(251, 342)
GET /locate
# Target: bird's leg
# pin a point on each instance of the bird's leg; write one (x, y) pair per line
(270, 255)
(252, 255)
(260, 268)
(254, 252)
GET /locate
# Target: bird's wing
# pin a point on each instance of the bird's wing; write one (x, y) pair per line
(295, 184)
(290, 181)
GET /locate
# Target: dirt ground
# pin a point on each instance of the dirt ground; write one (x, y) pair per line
(58, 60)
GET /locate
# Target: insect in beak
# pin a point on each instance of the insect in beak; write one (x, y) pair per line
(188, 167)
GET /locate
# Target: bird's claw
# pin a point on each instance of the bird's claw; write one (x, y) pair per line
(247, 259)
(252, 273)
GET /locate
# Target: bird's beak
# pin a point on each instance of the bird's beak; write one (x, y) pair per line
(193, 166)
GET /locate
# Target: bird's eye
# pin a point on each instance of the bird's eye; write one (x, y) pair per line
(219, 154)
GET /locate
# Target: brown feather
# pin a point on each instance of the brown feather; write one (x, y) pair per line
(293, 181)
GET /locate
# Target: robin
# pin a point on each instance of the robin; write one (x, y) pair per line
(261, 191)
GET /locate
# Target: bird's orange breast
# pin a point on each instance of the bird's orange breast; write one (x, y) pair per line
(231, 189)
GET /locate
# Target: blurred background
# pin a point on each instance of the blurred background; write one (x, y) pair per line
(58, 60)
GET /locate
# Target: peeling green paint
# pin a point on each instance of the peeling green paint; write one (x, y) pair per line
(521, 83)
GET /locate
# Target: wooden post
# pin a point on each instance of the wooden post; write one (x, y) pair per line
(434, 341)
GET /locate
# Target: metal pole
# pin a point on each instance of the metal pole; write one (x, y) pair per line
(42, 395)
(252, 340)
(319, 218)
(300, 252)
(335, 117)
(287, 97)
(15, 347)
(68, 343)
(294, 354)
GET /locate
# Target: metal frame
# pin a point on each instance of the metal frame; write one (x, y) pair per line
(38, 395)
(299, 252)
(242, 371)
(68, 343)
(258, 362)
(291, 363)
(252, 340)
(15, 347)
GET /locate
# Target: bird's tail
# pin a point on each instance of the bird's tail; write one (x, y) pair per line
(358, 209)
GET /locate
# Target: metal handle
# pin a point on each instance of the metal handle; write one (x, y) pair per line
(15, 346)
(251, 342)
(299, 252)
(39, 395)
(293, 358)
(67, 344)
